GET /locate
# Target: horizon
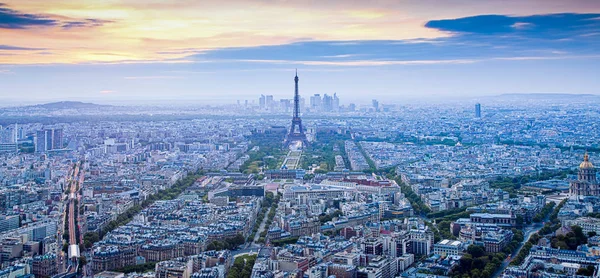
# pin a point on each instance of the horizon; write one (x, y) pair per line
(228, 102)
(132, 50)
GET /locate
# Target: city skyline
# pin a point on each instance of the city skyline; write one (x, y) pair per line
(394, 51)
(311, 139)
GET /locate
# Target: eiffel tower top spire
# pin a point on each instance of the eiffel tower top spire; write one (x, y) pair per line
(296, 98)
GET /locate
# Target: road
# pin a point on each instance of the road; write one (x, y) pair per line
(261, 227)
(528, 232)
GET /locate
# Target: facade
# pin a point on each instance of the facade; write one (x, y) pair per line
(373, 246)
(112, 257)
(586, 183)
(285, 174)
(587, 224)
(173, 269)
(502, 220)
(9, 147)
(8, 223)
(161, 252)
(342, 271)
(109, 274)
(303, 193)
(421, 241)
(44, 266)
(303, 227)
(494, 242)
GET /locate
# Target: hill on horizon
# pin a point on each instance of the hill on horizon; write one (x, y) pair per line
(69, 105)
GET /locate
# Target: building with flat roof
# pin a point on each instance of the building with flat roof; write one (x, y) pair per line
(448, 247)
(174, 269)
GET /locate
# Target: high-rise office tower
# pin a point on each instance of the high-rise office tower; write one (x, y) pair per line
(57, 138)
(478, 110)
(315, 102)
(285, 105)
(41, 141)
(302, 104)
(327, 103)
(336, 103)
(7, 135)
(262, 101)
(270, 103)
(375, 105)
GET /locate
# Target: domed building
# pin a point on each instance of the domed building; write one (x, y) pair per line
(586, 183)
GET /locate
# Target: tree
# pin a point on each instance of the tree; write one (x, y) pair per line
(588, 271)
(519, 220)
(579, 235)
(90, 238)
(591, 234)
(82, 261)
(476, 251)
(465, 262)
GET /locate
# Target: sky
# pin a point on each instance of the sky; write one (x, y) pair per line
(215, 51)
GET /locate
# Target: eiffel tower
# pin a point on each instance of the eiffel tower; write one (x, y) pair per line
(296, 133)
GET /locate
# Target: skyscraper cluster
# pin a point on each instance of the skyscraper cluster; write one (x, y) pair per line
(48, 139)
(316, 103)
(326, 103)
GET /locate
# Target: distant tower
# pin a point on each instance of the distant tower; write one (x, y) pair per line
(296, 130)
(262, 101)
(375, 105)
(478, 110)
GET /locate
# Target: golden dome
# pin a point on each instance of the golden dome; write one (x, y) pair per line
(586, 164)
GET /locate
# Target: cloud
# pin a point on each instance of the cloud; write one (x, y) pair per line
(361, 63)
(475, 39)
(87, 23)
(153, 77)
(11, 19)
(543, 26)
(5, 71)
(11, 47)
(106, 92)
(522, 25)
(188, 51)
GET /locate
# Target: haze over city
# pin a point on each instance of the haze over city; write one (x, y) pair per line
(214, 52)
